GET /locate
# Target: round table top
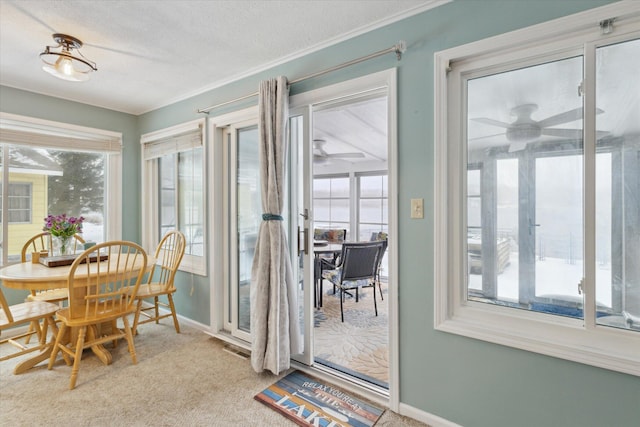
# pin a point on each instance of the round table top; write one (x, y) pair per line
(32, 276)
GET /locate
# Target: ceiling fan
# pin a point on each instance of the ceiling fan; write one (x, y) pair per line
(321, 156)
(524, 129)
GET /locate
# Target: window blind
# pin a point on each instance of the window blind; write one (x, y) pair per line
(172, 140)
(58, 142)
(41, 133)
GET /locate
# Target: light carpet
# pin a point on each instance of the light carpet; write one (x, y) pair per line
(184, 379)
(360, 343)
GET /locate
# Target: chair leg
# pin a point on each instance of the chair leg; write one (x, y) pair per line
(31, 331)
(129, 337)
(56, 345)
(114, 326)
(137, 317)
(34, 328)
(42, 340)
(375, 304)
(173, 313)
(341, 310)
(157, 311)
(380, 287)
(77, 358)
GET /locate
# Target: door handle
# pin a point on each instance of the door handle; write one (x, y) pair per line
(531, 226)
(306, 241)
(305, 214)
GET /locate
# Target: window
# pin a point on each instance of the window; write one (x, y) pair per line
(173, 174)
(373, 209)
(45, 176)
(331, 202)
(538, 165)
(19, 202)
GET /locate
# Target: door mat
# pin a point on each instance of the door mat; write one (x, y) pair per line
(310, 402)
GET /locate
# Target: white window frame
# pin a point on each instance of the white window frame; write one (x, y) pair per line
(167, 140)
(33, 132)
(579, 340)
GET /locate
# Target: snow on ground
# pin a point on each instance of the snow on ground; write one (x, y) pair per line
(554, 276)
(92, 232)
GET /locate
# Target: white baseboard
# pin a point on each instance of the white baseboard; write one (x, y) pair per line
(425, 417)
(193, 324)
(182, 320)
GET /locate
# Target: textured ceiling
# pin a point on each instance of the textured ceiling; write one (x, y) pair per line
(152, 53)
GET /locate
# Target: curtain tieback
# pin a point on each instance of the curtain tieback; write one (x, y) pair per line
(272, 217)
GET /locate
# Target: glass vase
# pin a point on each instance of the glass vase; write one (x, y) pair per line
(63, 245)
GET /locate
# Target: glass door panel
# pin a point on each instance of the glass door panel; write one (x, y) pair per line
(246, 200)
(300, 222)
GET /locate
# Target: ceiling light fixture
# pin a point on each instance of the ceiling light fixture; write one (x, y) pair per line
(63, 63)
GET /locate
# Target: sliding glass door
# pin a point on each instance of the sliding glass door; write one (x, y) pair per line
(245, 208)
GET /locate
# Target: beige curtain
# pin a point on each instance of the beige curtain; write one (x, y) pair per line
(274, 308)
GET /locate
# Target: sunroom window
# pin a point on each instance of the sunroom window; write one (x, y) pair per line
(538, 232)
(331, 197)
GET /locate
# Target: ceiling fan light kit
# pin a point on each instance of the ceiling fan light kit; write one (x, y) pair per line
(63, 64)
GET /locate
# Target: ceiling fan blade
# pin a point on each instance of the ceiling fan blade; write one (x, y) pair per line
(492, 136)
(564, 133)
(572, 133)
(566, 117)
(492, 122)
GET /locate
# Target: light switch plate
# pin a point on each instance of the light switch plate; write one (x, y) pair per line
(417, 208)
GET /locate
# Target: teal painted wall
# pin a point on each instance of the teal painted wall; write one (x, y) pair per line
(470, 382)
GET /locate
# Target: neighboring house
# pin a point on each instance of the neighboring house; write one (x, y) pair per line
(29, 173)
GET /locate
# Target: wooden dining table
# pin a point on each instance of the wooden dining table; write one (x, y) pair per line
(30, 276)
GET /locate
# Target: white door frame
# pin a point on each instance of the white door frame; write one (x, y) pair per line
(384, 79)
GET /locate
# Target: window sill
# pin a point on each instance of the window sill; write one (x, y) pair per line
(193, 267)
(564, 338)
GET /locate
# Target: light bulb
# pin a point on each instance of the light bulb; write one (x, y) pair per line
(64, 66)
(63, 69)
